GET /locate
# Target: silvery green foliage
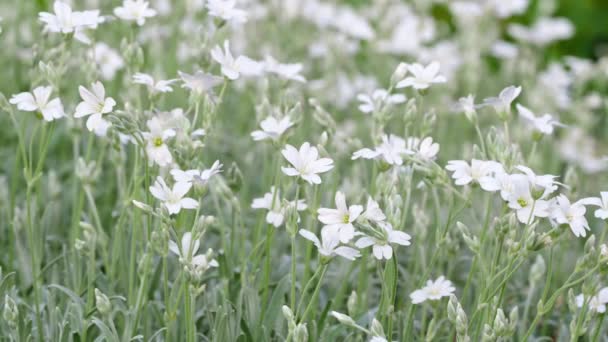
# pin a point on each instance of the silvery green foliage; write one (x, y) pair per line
(300, 170)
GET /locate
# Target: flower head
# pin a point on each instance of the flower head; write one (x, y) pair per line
(154, 86)
(156, 146)
(277, 208)
(38, 100)
(272, 128)
(543, 124)
(173, 198)
(433, 290)
(341, 219)
(197, 177)
(378, 100)
(199, 82)
(329, 245)
(66, 21)
(502, 103)
(381, 243)
(225, 9)
(232, 67)
(94, 104)
(571, 214)
(134, 10)
(391, 150)
(305, 163)
(422, 76)
(601, 202)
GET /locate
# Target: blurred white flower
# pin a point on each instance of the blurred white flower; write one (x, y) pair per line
(160, 86)
(381, 243)
(225, 9)
(232, 67)
(423, 76)
(199, 82)
(434, 290)
(187, 250)
(329, 245)
(479, 171)
(173, 198)
(66, 21)
(504, 50)
(306, 163)
(545, 124)
(505, 9)
(340, 220)
(596, 303)
(272, 128)
(134, 10)
(391, 150)
(38, 100)
(378, 99)
(502, 103)
(108, 60)
(94, 104)
(286, 71)
(156, 146)
(543, 32)
(424, 149)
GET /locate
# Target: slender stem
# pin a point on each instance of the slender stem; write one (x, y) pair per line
(294, 220)
(313, 299)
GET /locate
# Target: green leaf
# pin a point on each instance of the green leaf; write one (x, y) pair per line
(273, 311)
(389, 287)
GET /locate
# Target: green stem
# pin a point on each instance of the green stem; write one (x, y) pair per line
(313, 299)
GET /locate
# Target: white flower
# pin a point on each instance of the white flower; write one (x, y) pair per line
(108, 60)
(306, 163)
(232, 67)
(187, 251)
(423, 76)
(173, 198)
(276, 209)
(134, 10)
(467, 105)
(502, 103)
(66, 21)
(286, 71)
(340, 219)
(504, 50)
(544, 124)
(328, 246)
(546, 183)
(433, 290)
(425, 149)
(225, 10)
(392, 150)
(94, 103)
(156, 147)
(544, 31)
(505, 9)
(597, 303)
(38, 100)
(381, 244)
(197, 177)
(480, 171)
(378, 99)
(199, 82)
(373, 212)
(524, 204)
(272, 128)
(602, 203)
(160, 86)
(572, 214)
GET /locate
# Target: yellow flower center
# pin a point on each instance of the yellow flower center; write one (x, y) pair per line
(346, 219)
(157, 142)
(522, 202)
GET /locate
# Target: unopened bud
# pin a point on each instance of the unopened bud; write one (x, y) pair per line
(102, 302)
(342, 318)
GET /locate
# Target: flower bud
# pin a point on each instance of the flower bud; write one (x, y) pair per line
(537, 270)
(301, 333)
(399, 73)
(102, 302)
(501, 324)
(351, 303)
(11, 312)
(342, 318)
(377, 329)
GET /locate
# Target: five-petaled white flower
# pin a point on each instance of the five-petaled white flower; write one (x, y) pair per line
(433, 290)
(372, 211)
(134, 10)
(544, 124)
(424, 149)
(156, 147)
(306, 163)
(272, 128)
(378, 100)
(232, 67)
(154, 86)
(95, 104)
(197, 177)
(66, 21)
(596, 303)
(340, 219)
(173, 198)
(526, 206)
(329, 245)
(572, 214)
(225, 9)
(602, 203)
(277, 209)
(381, 243)
(502, 103)
(422, 76)
(38, 100)
(391, 150)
